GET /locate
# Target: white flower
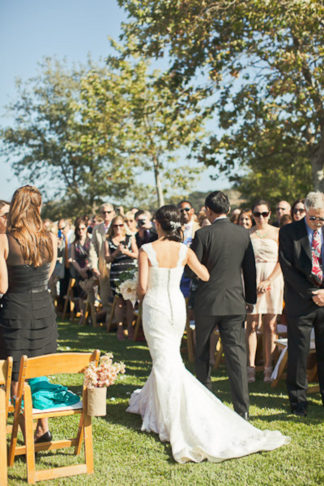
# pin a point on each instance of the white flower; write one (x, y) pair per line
(128, 290)
(175, 225)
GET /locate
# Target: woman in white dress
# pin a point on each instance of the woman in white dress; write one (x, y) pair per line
(172, 402)
(265, 241)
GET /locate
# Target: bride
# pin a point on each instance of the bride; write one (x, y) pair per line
(172, 402)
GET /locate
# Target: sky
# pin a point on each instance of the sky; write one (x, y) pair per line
(70, 29)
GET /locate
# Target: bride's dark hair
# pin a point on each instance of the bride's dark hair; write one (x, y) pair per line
(169, 218)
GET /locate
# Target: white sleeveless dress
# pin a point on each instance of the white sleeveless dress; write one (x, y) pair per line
(172, 402)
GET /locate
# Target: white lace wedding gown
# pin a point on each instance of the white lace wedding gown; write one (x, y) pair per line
(172, 402)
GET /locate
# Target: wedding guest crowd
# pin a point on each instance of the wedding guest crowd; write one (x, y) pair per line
(100, 251)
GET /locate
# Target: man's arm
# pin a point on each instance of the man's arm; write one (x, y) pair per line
(249, 275)
(196, 247)
(292, 275)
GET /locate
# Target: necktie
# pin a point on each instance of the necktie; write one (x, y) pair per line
(317, 271)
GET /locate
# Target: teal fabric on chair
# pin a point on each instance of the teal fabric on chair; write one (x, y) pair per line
(47, 395)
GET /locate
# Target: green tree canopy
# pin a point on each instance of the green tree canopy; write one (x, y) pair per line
(264, 62)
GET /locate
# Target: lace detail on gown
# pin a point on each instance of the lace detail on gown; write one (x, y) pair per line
(172, 402)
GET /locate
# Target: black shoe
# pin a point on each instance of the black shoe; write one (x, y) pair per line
(300, 410)
(245, 416)
(47, 437)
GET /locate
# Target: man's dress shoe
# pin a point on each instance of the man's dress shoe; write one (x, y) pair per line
(300, 410)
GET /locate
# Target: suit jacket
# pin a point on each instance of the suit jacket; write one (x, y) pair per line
(97, 250)
(295, 258)
(226, 250)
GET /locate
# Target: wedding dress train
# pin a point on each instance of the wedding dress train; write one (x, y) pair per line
(173, 403)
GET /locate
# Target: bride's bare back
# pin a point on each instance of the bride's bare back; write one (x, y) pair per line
(167, 253)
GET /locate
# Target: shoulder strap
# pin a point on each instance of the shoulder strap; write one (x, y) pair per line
(151, 254)
(182, 254)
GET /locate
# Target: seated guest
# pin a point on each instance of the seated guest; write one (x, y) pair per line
(80, 257)
(4, 210)
(298, 210)
(145, 232)
(235, 216)
(130, 223)
(282, 207)
(202, 218)
(189, 228)
(121, 252)
(285, 219)
(245, 219)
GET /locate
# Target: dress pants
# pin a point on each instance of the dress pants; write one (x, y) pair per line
(299, 331)
(232, 334)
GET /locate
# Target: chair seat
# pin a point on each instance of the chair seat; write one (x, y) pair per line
(75, 406)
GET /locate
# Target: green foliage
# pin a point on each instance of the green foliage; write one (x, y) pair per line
(131, 113)
(264, 63)
(45, 144)
(94, 131)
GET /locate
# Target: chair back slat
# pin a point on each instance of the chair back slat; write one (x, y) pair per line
(5, 370)
(53, 364)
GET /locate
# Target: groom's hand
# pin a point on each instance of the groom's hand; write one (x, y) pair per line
(249, 308)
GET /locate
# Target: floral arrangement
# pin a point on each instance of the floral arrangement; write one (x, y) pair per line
(128, 289)
(103, 375)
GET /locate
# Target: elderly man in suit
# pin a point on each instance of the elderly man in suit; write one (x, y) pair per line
(301, 253)
(226, 250)
(97, 254)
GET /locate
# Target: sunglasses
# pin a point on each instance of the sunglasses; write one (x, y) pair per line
(299, 211)
(315, 218)
(106, 212)
(82, 228)
(118, 225)
(185, 209)
(265, 214)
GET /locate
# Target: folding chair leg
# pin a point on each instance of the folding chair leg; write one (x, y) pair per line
(3, 441)
(80, 436)
(14, 433)
(88, 447)
(112, 313)
(29, 437)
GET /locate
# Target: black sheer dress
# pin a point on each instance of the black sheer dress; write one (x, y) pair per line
(27, 316)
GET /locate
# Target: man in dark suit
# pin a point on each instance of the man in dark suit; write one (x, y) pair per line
(226, 250)
(301, 252)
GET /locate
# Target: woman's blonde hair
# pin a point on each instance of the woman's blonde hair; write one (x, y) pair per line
(110, 233)
(26, 226)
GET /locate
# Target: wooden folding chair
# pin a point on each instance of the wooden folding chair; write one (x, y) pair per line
(138, 321)
(110, 317)
(69, 299)
(88, 307)
(5, 407)
(51, 364)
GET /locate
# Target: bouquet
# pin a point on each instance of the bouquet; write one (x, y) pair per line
(103, 375)
(127, 289)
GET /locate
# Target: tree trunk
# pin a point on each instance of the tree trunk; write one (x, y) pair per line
(158, 186)
(317, 161)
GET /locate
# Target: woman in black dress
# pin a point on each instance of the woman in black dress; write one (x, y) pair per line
(27, 259)
(122, 252)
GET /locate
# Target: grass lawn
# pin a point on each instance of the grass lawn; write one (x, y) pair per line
(124, 455)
